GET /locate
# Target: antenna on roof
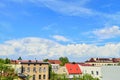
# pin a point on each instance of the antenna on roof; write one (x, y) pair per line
(35, 60)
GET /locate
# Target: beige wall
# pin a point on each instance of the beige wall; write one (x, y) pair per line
(17, 67)
(43, 71)
(62, 70)
(101, 64)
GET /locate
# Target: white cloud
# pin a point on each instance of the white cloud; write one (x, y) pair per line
(39, 47)
(60, 38)
(72, 8)
(69, 8)
(107, 32)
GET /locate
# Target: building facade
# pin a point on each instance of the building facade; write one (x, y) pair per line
(110, 72)
(36, 70)
(103, 61)
(55, 65)
(94, 71)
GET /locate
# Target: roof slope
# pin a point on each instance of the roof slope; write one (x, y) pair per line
(73, 68)
(54, 61)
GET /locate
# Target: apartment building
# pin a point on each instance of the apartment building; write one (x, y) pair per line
(110, 72)
(103, 61)
(55, 65)
(36, 69)
(94, 71)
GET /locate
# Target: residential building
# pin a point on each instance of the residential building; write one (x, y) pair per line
(73, 70)
(94, 71)
(62, 70)
(55, 65)
(36, 69)
(110, 72)
(103, 61)
(16, 65)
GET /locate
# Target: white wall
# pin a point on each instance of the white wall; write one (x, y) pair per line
(95, 71)
(55, 67)
(110, 72)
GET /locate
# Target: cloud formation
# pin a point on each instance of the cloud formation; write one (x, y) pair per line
(107, 32)
(74, 8)
(48, 49)
(71, 8)
(60, 38)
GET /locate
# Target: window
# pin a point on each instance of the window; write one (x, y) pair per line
(56, 67)
(34, 64)
(44, 76)
(40, 69)
(23, 69)
(33, 77)
(92, 72)
(34, 69)
(39, 76)
(28, 69)
(28, 64)
(44, 69)
(97, 73)
(63, 70)
(40, 64)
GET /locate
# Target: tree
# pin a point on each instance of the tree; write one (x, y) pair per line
(45, 60)
(63, 60)
(7, 72)
(7, 61)
(88, 77)
(1, 60)
(20, 58)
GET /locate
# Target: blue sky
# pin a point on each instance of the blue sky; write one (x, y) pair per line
(78, 29)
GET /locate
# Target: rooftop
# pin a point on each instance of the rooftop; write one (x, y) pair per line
(54, 61)
(73, 68)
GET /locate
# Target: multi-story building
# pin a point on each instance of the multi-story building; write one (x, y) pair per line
(55, 65)
(62, 70)
(103, 61)
(36, 70)
(94, 71)
(110, 72)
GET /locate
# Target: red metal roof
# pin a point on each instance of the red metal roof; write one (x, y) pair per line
(73, 68)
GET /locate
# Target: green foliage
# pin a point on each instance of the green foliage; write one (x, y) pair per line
(88, 77)
(20, 58)
(45, 60)
(2, 60)
(28, 77)
(63, 60)
(118, 64)
(55, 76)
(7, 72)
(5, 61)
